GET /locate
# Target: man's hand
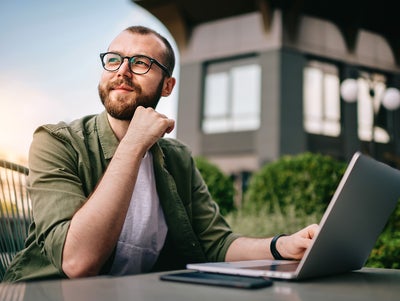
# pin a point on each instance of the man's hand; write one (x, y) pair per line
(295, 245)
(147, 126)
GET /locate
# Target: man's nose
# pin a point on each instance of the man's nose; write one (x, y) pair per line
(124, 68)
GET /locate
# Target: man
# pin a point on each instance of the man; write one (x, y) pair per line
(111, 196)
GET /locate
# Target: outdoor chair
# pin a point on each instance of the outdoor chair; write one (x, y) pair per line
(15, 211)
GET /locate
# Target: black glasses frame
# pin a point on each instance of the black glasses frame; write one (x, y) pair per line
(129, 58)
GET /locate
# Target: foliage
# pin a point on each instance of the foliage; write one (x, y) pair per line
(267, 224)
(221, 186)
(306, 181)
(386, 253)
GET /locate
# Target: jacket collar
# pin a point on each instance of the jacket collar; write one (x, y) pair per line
(107, 138)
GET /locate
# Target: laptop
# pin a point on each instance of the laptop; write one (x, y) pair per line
(360, 208)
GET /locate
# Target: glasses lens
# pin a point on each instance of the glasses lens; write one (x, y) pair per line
(140, 64)
(112, 61)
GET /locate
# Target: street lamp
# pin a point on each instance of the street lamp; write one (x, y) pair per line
(391, 99)
(349, 91)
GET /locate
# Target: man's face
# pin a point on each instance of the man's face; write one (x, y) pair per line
(122, 91)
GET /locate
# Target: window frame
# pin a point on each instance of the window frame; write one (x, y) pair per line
(232, 120)
(323, 124)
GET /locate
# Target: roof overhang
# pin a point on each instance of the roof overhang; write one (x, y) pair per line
(380, 17)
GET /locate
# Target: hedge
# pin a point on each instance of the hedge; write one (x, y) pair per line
(306, 181)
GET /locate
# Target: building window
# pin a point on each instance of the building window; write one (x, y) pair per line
(321, 99)
(232, 96)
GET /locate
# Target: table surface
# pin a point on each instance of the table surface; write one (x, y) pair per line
(366, 284)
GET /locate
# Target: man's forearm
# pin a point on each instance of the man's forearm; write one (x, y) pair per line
(95, 227)
(246, 248)
(288, 246)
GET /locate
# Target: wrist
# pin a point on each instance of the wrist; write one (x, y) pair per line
(274, 251)
(128, 147)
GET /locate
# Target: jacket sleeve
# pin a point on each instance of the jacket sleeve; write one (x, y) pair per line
(214, 233)
(55, 190)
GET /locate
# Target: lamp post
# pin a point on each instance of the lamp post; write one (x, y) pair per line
(349, 91)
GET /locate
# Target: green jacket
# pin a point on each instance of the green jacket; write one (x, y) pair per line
(66, 161)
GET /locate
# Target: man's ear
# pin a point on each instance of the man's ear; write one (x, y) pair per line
(168, 86)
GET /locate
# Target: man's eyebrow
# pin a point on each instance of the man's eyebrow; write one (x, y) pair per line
(135, 54)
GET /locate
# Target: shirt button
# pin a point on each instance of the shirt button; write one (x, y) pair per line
(193, 244)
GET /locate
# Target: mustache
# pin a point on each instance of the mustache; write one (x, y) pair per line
(122, 81)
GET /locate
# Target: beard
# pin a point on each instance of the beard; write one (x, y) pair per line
(123, 107)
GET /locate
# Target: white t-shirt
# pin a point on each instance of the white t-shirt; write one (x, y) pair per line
(144, 231)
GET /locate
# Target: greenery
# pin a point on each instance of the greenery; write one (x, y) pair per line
(306, 181)
(265, 224)
(221, 186)
(386, 253)
(287, 195)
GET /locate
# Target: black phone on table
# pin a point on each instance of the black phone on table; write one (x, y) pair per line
(237, 281)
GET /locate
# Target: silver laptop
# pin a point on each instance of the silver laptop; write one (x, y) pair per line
(349, 228)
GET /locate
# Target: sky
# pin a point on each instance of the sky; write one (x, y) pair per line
(50, 66)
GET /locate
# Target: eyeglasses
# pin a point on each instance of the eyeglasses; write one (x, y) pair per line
(138, 64)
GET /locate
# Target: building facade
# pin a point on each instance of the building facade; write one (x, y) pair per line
(256, 86)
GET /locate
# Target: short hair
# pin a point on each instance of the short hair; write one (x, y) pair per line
(169, 55)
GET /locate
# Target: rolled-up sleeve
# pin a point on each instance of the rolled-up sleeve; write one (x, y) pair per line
(55, 190)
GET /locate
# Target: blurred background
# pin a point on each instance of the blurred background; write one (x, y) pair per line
(265, 78)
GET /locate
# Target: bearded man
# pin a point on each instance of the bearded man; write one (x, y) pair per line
(111, 196)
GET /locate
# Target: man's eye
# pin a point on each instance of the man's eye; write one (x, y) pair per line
(113, 60)
(140, 62)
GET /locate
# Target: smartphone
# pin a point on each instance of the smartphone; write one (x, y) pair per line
(218, 279)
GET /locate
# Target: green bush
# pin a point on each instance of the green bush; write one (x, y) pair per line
(306, 181)
(386, 253)
(221, 186)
